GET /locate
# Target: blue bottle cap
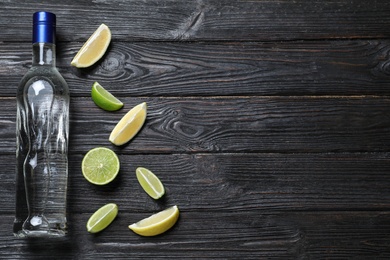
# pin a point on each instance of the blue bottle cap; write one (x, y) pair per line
(44, 27)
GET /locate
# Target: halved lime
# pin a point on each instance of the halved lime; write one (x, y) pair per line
(104, 99)
(102, 218)
(100, 165)
(150, 183)
(157, 223)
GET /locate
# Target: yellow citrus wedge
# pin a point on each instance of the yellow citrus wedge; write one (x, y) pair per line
(102, 218)
(129, 125)
(157, 223)
(150, 183)
(94, 48)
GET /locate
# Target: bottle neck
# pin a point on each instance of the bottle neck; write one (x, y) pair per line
(44, 54)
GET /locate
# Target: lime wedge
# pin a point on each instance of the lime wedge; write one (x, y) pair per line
(129, 125)
(157, 223)
(94, 48)
(104, 99)
(150, 183)
(100, 166)
(102, 218)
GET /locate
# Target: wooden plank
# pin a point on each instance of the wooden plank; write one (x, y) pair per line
(223, 124)
(237, 182)
(179, 69)
(167, 20)
(270, 124)
(223, 183)
(248, 234)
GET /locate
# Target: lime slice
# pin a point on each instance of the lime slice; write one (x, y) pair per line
(100, 166)
(129, 125)
(105, 99)
(102, 218)
(150, 183)
(157, 223)
(94, 48)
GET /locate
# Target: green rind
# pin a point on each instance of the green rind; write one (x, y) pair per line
(144, 185)
(104, 99)
(104, 220)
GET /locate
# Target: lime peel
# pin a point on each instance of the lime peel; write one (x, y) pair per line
(104, 99)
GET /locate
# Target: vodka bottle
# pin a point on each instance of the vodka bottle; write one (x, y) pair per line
(42, 139)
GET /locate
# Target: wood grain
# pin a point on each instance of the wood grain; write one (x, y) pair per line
(221, 183)
(303, 205)
(268, 124)
(273, 124)
(222, 124)
(245, 234)
(207, 69)
(168, 20)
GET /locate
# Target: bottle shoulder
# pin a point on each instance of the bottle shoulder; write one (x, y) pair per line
(44, 73)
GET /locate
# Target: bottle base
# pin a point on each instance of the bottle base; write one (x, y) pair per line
(39, 226)
(40, 233)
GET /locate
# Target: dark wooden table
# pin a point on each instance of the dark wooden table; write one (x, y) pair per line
(268, 123)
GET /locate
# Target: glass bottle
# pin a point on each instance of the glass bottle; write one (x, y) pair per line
(42, 130)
